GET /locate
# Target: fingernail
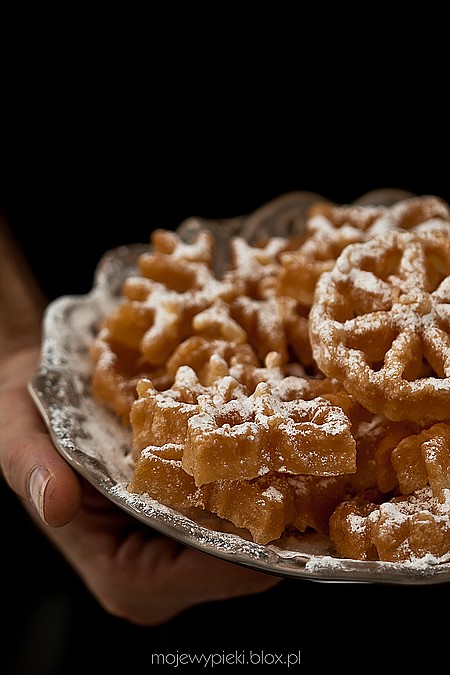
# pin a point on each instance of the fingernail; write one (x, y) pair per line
(37, 483)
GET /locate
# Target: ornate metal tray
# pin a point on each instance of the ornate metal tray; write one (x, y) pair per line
(97, 445)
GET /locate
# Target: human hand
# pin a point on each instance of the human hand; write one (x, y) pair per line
(132, 571)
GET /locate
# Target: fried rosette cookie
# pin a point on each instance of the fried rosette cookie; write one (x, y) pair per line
(176, 283)
(401, 529)
(330, 228)
(423, 459)
(305, 389)
(229, 432)
(174, 296)
(264, 506)
(238, 454)
(380, 324)
(249, 435)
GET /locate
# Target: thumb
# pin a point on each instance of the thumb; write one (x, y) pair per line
(31, 464)
(41, 477)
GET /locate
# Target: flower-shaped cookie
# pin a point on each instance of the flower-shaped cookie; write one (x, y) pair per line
(403, 528)
(247, 436)
(380, 324)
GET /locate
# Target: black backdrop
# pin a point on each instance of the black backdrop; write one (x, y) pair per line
(71, 193)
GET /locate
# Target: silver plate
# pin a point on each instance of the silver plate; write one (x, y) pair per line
(97, 445)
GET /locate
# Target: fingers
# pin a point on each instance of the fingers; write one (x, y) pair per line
(216, 579)
(168, 579)
(29, 461)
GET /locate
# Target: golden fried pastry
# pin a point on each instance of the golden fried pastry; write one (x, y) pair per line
(246, 436)
(390, 436)
(176, 283)
(401, 529)
(307, 388)
(256, 265)
(198, 351)
(265, 505)
(401, 457)
(161, 417)
(380, 324)
(330, 228)
(291, 383)
(424, 459)
(351, 529)
(427, 211)
(263, 323)
(275, 324)
(176, 297)
(117, 369)
(231, 435)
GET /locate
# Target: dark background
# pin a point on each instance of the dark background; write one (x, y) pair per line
(75, 181)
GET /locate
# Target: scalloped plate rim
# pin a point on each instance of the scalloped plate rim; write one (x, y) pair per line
(264, 558)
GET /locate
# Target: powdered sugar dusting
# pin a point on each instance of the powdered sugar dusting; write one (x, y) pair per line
(97, 445)
(393, 286)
